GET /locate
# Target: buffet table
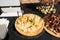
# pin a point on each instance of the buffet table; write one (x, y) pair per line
(14, 35)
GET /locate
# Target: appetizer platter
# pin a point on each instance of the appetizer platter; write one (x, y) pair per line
(29, 24)
(52, 25)
(23, 27)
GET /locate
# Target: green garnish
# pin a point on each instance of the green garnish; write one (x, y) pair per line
(32, 21)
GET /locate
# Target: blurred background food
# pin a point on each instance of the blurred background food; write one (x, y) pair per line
(37, 1)
(48, 6)
(29, 1)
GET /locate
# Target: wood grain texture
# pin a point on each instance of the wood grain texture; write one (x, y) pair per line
(29, 1)
(32, 1)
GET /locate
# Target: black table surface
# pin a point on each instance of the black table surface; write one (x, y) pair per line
(43, 36)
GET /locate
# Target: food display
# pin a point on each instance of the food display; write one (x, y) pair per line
(29, 24)
(40, 20)
(52, 24)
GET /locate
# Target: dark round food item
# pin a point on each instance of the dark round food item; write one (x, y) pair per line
(52, 24)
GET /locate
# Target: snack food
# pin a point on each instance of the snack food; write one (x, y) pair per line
(46, 9)
(52, 24)
(29, 24)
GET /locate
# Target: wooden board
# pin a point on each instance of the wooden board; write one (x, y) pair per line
(31, 1)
